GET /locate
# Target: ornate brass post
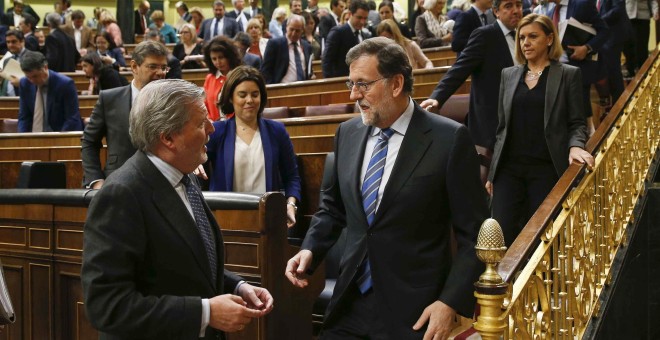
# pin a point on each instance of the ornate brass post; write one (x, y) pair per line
(490, 289)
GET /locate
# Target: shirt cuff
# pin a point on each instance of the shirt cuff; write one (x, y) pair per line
(238, 286)
(90, 185)
(206, 317)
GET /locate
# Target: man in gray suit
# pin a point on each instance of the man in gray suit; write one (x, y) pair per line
(403, 179)
(153, 258)
(110, 115)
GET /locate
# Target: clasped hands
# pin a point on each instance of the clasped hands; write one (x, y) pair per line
(230, 313)
(438, 315)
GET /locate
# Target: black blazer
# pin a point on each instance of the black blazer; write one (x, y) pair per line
(565, 125)
(137, 17)
(230, 28)
(276, 59)
(483, 59)
(61, 52)
(234, 15)
(145, 268)
(466, 22)
(326, 24)
(433, 187)
(613, 12)
(340, 40)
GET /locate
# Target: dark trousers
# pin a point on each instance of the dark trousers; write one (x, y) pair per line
(518, 190)
(612, 58)
(357, 319)
(637, 48)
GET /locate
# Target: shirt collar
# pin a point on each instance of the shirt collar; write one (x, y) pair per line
(479, 12)
(505, 30)
(172, 174)
(564, 2)
(401, 124)
(134, 91)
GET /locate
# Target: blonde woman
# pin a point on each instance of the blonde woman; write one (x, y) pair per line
(432, 28)
(275, 25)
(389, 29)
(110, 25)
(188, 50)
(255, 30)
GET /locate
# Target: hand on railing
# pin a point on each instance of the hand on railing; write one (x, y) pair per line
(581, 156)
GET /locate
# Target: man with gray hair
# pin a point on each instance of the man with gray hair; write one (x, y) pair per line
(109, 118)
(287, 58)
(242, 17)
(153, 264)
(403, 178)
(61, 50)
(48, 101)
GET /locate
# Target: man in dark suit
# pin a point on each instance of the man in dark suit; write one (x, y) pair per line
(468, 21)
(343, 38)
(153, 264)
(402, 178)
(278, 66)
(15, 50)
(489, 50)
(27, 25)
(79, 32)
(48, 101)
(254, 8)
(331, 20)
(182, 10)
(109, 118)
(218, 25)
(239, 14)
(243, 41)
(19, 8)
(613, 12)
(61, 51)
(141, 19)
(584, 56)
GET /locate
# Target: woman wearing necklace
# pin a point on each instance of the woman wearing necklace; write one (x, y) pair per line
(248, 153)
(542, 128)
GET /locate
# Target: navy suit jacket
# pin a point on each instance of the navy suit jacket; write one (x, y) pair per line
(340, 39)
(613, 12)
(32, 43)
(61, 107)
(466, 22)
(326, 23)
(61, 52)
(585, 12)
(483, 58)
(252, 60)
(276, 59)
(229, 30)
(279, 158)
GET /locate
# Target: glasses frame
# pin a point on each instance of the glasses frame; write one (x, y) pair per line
(156, 68)
(362, 86)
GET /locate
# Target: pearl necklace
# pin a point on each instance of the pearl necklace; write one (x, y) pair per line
(533, 75)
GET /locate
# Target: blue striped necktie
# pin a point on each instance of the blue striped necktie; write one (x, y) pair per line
(203, 225)
(370, 186)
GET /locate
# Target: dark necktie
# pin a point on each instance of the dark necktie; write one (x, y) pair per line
(357, 36)
(483, 19)
(202, 221)
(240, 22)
(299, 68)
(215, 29)
(370, 186)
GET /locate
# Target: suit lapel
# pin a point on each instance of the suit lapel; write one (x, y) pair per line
(169, 204)
(268, 152)
(510, 89)
(414, 146)
(551, 90)
(228, 154)
(355, 157)
(503, 42)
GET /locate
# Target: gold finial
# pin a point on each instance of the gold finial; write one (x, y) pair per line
(490, 250)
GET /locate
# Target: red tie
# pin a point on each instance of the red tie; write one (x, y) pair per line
(555, 15)
(598, 5)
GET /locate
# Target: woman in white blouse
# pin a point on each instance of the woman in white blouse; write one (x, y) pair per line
(248, 153)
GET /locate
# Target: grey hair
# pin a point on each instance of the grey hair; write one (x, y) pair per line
(148, 48)
(33, 61)
(428, 4)
(218, 3)
(53, 19)
(392, 59)
(295, 17)
(162, 107)
(279, 11)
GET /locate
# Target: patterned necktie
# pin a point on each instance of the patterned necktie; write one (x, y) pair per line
(195, 199)
(370, 186)
(38, 113)
(483, 19)
(299, 68)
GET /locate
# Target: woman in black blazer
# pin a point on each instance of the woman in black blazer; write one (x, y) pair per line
(101, 76)
(541, 129)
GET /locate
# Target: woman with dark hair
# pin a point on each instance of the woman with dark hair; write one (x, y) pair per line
(221, 56)
(248, 153)
(311, 22)
(386, 11)
(101, 77)
(108, 50)
(542, 127)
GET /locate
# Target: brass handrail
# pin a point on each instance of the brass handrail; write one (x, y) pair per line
(557, 266)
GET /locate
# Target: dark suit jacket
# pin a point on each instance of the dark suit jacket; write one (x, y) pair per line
(32, 43)
(252, 60)
(613, 12)
(279, 158)
(276, 59)
(109, 78)
(340, 40)
(62, 109)
(230, 28)
(234, 15)
(565, 125)
(466, 22)
(109, 120)
(325, 25)
(585, 12)
(86, 36)
(27, 9)
(175, 67)
(137, 25)
(434, 185)
(61, 52)
(145, 268)
(483, 59)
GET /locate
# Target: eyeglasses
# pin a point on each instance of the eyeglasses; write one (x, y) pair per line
(154, 68)
(361, 85)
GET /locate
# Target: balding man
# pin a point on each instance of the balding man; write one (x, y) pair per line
(287, 59)
(141, 17)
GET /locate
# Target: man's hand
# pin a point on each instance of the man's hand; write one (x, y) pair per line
(15, 81)
(295, 268)
(257, 298)
(440, 318)
(199, 172)
(98, 184)
(290, 215)
(430, 105)
(581, 156)
(489, 188)
(230, 313)
(579, 52)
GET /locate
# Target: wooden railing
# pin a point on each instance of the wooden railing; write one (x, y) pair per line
(554, 272)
